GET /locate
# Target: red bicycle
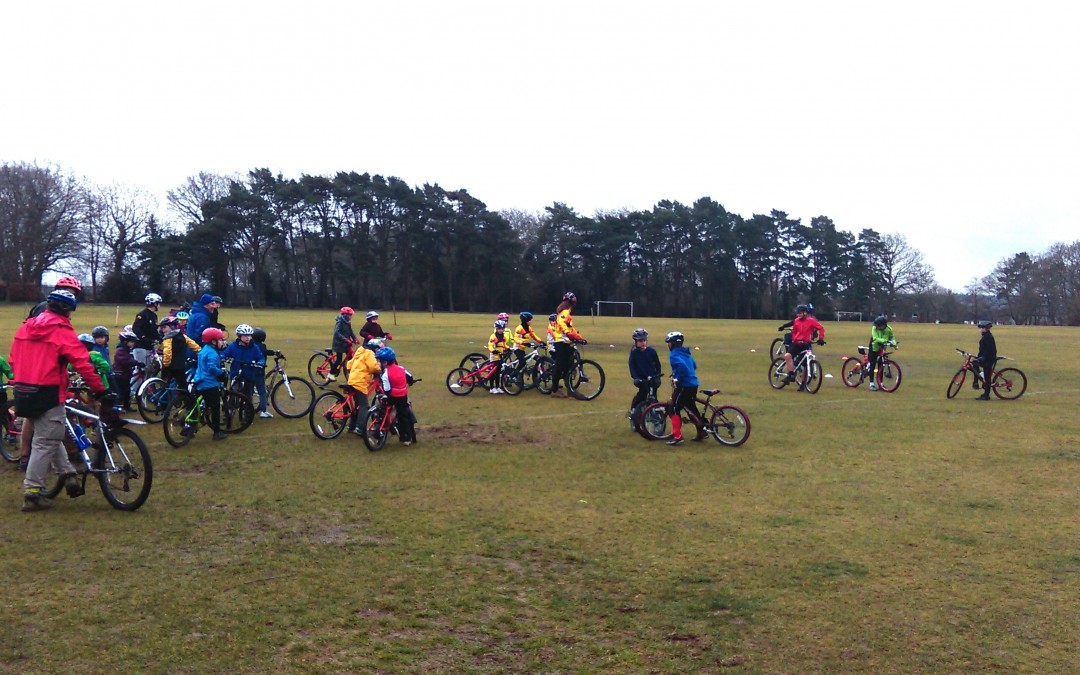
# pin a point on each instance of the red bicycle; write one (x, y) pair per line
(1007, 383)
(381, 421)
(321, 364)
(887, 377)
(728, 424)
(331, 412)
(461, 381)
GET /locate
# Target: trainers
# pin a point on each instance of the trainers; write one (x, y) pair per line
(406, 442)
(187, 431)
(331, 378)
(791, 376)
(495, 390)
(984, 397)
(559, 393)
(266, 414)
(219, 435)
(73, 486)
(357, 430)
(675, 441)
(873, 387)
(700, 437)
(33, 500)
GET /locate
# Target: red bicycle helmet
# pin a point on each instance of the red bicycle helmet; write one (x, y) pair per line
(348, 311)
(213, 334)
(69, 282)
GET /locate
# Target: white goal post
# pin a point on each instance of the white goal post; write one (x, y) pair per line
(614, 302)
(849, 316)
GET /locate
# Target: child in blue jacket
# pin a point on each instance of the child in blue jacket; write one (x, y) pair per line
(684, 378)
(208, 376)
(249, 362)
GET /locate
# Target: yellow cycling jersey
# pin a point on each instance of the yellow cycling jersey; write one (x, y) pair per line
(523, 335)
(564, 327)
(497, 344)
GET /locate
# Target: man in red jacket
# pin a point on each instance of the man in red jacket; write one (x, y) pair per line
(43, 347)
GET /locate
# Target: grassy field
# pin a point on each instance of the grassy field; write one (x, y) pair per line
(854, 532)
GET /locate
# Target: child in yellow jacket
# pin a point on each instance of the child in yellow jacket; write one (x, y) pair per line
(362, 370)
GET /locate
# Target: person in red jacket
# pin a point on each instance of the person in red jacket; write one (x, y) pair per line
(42, 349)
(804, 330)
(395, 382)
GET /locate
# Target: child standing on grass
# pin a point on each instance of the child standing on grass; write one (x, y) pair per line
(395, 383)
(344, 339)
(497, 350)
(363, 367)
(684, 379)
(880, 336)
(209, 376)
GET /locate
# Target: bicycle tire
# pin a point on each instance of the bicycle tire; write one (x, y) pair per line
(851, 372)
(956, 384)
(542, 378)
(812, 377)
(126, 484)
(778, 374)
(292, 399)
(586, 380)
(325, 419)
(9, 444)
(175, 420)
(318, 368)
(777, 348)
(460, 381)
(1009, 384)
(237, 412)
(473, 360)
(512, 382)
(655, 424)
(151, 399)
(889, 375)
(730, 425)
(374, 435)
(54, 484)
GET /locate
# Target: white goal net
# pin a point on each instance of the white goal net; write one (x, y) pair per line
(849, 316)
(614, 307)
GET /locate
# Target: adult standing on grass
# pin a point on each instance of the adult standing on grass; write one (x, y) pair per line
(987, 356)
(372, 329)
(684, 379)
(40, 354)
(565, 338)
(145, 327)
(202, 316)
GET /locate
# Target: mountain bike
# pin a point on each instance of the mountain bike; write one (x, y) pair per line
(780, 345)
(155, 393)
(807, 371)
(461, 381)
(292, 397)
(586, 380)
(114, 454)
(728, 424)
(186, 413)
(381, 422)
(331, 412)
(1007, 383)
(534, 366)
(634, 414)
(888, 375)
(321, 364)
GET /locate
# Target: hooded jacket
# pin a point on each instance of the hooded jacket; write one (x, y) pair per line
(198, 321)
(42, 349)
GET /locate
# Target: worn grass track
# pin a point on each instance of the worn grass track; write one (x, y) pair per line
(854, 532)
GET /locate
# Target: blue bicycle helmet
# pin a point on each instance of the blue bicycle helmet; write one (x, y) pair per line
(386, 354)
(64, 298)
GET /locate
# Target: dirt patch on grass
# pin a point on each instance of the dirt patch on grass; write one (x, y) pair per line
(484, 434)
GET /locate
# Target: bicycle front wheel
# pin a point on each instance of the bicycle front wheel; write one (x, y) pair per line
(512, 382)
(1009, 383)
(374, 433)
(181, 420)
(125, 470)
(851, 372)
(542, 379)
(237, 412)
(730, 425)
(956, 384)
(460, 381)
(318, 368)
(811, 380)
(9, 445)
(327, 417)
(152, 398)
(587, 380)
(292, 398)
(654, 424)
(889, 376)
(778, 374)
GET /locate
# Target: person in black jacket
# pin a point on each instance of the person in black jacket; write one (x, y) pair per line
(645, 370)
(987, 356)
(145, 328)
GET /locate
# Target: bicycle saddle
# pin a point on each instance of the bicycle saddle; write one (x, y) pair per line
(710, 392)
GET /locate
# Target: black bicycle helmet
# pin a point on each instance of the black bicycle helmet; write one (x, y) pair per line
(259, 335)
(881, 320)
(640, 334)
(985, 324)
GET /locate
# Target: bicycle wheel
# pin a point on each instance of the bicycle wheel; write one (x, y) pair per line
(181, 420)
(778, 348)
(374, 433)
(654, 424)
(473, 360)
(152, 399)
(460, 381)
(328, 418)
(126, 472)
(811, 380)
(587, 380)
(237, 412)
(730, 425)
(542, 377)
(292, 398)
(957, 383)
(1009, 383)
(889, 376)
(512, 382)
(851, 372)
(318, 368)
(9, 444)
(778, 374)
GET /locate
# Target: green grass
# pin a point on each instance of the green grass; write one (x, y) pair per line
(853, 532)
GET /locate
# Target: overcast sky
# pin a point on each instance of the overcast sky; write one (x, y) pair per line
(956, 124)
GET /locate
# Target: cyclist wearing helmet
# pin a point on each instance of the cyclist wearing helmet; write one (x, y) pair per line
(41, 348)
(343, 341)
(178, 351)
(644, 370)
(249, 363)
(363, 367)
(64, 283)
(550, 335)
(804, 330)
(372, 329)
(100, 364)
(880, 336)
(684, 379)
(987, 357)
(394, 383)
(101, 341)
(145, 328)
(565, 337)
(523, 335)
(497, 348)
(123, 367)
(209, 376)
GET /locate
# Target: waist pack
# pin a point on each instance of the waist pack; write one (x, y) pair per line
(34, 400)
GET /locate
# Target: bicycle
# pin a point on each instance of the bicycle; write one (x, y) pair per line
(321, 364)
(807, 371)
(780, 345)
(117, 456)
(461, 381)
(634, 415)
(331, 412)
(1008, 383)
(535, 365)
(187, 412)
(888, 375)
(292, 397)
(586, 380)
(155, 394)
(728, 424)
(12, 433)
(381, 422)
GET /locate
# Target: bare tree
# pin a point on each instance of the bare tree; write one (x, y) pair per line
(903, 269)
(119, 219)
(187, 200)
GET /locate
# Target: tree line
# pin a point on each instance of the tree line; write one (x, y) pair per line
(372, 241)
